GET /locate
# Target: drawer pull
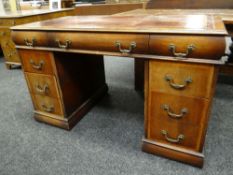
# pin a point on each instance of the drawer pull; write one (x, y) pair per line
(173, 115)
(126, 51)
(35, 66)
(177, 140)
(63, 46)
(47, 109)
(177, 86)
(172, 48)
(43, 90)
(28, 43)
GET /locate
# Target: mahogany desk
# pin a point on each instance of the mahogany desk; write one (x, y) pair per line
(9, 19)
(62, 61)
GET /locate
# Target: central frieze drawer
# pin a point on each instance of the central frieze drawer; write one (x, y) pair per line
(125, 43)
(184, 46)
(191, 80)
(42, 84)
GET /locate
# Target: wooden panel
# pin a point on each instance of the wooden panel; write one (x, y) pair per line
(164, 4)
(37, 61)
(205, 47)
(196, 109)
(7, 22)
(100, 42)
(106, 9)
(79, 78)
(47, 104)
(42, 84)
(201, 76)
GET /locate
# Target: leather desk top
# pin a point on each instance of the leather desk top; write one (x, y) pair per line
(225, 14)
(175, 24)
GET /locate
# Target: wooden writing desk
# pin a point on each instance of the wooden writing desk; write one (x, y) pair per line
(62, 61)
(9, 19)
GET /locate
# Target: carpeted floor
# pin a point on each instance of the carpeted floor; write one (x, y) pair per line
(107, 141)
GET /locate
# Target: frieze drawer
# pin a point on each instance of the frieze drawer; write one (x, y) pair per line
(30, 39)
(122, 43)
(184, 46)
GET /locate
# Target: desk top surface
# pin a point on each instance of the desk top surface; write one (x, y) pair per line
(225, 14)
(185, 24)
(26, 13)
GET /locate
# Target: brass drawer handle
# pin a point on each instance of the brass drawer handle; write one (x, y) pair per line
(177, 140)
(126, 51)
(183, 112)
(65, 46)
(177, 86)
(28, 43)
(189, 50)
(43, 90)
(35, 66)
(47, 109)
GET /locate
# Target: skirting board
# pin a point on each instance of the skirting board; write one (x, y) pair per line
(172, 152)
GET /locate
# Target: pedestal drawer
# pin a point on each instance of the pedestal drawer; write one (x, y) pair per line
(47, 104)
(207, 47)
(42, 84)
(124, 43)
(37, 61)
(178, 78)
(188, 136)
(177, 109)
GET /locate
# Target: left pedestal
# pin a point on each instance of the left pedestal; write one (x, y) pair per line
(60, 92)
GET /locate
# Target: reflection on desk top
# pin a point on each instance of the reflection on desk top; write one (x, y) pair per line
(185, 24)
(25, 13)
(225, 14)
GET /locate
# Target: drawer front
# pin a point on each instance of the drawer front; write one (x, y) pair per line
(37, 61)
(210, 47)
(30, 39)
(47, 104)
(42, 84)
(123, 43)
(183, 79)
(178, 110)
(188, 136)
